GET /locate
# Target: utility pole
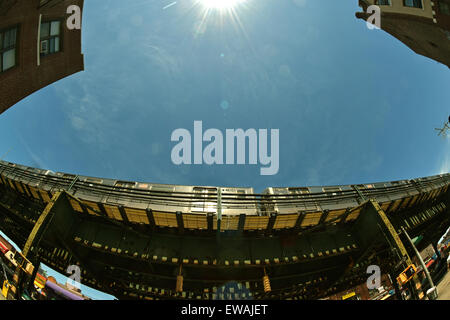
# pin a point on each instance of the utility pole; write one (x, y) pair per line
(432, 292)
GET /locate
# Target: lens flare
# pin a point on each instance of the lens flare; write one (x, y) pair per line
(220, 4)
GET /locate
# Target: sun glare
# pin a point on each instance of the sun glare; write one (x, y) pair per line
(220, 12)
(220, 4)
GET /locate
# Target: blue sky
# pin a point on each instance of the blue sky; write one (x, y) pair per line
(352, 105)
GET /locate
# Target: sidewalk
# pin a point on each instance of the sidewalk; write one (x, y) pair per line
(443, 288)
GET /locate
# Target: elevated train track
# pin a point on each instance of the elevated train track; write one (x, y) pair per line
(131, 239)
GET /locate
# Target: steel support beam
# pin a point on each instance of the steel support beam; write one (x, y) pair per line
(30, 249)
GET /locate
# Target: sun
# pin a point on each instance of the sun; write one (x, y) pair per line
(220, 13)
(220, 4)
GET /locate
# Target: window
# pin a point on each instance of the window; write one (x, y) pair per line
(241, 194)
(383, 2)
(299, 190)
(444, 8)
(125, 184)
(204, 205)
(332, 191)
(50, 39)
(8, 39)
(413, 3)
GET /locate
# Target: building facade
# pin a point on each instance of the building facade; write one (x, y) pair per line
(36, 47)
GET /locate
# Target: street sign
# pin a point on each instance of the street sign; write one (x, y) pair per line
(351, 294)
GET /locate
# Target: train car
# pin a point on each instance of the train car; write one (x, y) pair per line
(233, 201)
(26, 180)
(236, 201)
(295, 199)
(132, 201)
(164, 197)
(289, 200)
(334, 200)
(119, 198)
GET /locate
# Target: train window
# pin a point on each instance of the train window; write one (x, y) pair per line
(240, 194)
(202, 205)
(125, 184)
(332, 191)
(281, 191)
(204, 190)
(163, 188)
(299, 190)
(94, 180)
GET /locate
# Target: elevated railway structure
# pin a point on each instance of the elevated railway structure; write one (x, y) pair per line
(138, 240)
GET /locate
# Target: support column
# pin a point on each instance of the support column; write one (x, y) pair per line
(33, 242)
(55, 222)
(392, 233)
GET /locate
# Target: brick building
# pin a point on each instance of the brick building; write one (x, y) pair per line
(36, 47)
(422, 25)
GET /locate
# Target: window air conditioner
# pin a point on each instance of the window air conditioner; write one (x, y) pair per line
(44, 46)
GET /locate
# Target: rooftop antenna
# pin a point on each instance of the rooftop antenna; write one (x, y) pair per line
(443, 130)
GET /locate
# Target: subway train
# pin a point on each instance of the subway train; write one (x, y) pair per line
(132, 201)
(336, 200)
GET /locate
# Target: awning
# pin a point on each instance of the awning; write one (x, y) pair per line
(417, 239)
(430, 263)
